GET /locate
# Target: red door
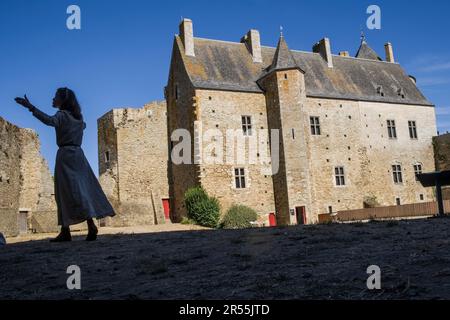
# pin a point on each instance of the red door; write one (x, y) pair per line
(272, 220)
(166, 206)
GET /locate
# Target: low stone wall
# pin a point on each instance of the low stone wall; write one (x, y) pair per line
(9, 224)
(44, 222)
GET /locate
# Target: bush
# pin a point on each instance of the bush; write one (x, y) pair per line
(186, 220)
(193, 196)
(201, 208)
(238, 217)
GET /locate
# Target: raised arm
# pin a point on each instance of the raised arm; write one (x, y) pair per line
(53, 121)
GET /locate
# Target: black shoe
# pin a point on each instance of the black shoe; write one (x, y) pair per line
(63, 236)
(92, 234)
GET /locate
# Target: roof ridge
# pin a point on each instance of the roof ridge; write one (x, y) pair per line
(215, 40)
(295, 50)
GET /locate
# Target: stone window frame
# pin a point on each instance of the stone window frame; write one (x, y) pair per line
(397, 173)
(399, 202)
(247, 125)
(339, 177)
(412, 127)
(392, 129)
(107, 157)
(245, 176)
(418, 169)
(419, 194)
(314, 123)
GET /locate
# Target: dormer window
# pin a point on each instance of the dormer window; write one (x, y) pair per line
(380, 91)
(401, 93)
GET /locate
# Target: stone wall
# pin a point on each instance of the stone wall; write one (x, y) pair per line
(134, 172)
(354, 135)
(222, 111)
(285, 97)
(441, 146)
(26, 184)
(10, 153)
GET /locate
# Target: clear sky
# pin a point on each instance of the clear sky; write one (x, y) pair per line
(121, 55)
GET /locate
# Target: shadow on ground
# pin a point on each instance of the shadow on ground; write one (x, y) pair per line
(302, 262)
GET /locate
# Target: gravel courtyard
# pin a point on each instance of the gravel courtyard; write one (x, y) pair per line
(300, 262)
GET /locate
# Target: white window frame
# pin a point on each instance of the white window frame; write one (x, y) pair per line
(339, 176)
(418, 169)
(247, 125)
(392, 129)
(314, 124)
(412, 128)
(240, 175)
(397, 172)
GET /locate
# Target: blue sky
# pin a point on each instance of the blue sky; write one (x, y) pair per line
(121, 55)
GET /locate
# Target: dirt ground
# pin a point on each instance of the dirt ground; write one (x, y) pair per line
(301, 262)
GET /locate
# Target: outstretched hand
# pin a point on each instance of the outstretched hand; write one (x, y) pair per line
(24, 101)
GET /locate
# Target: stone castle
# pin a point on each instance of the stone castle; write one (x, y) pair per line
(353, 132)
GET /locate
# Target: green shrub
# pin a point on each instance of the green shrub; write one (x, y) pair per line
(238, 217)
(192, 196)
(186, 220)
(201, 208)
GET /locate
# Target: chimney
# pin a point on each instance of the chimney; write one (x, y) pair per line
(324, 48)
(187, 37)
(253, 42)
(389, 52)
(344, 54)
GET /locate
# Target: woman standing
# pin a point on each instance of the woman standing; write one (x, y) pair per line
(78, 194)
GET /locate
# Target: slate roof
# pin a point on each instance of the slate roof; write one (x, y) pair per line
(220, 65)
(283, 58)
(366, 52)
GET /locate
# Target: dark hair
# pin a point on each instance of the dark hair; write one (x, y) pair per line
(70, 102)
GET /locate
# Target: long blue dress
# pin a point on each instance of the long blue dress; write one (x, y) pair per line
(78, 193)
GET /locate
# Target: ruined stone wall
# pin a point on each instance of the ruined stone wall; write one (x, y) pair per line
(441, 146)
(222, 111)
(354, 135)
(135, 177)
(26, 183)
(10, 153)
(108, 168)
(37, 191)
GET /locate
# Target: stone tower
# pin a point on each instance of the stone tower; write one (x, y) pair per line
(284, 86)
